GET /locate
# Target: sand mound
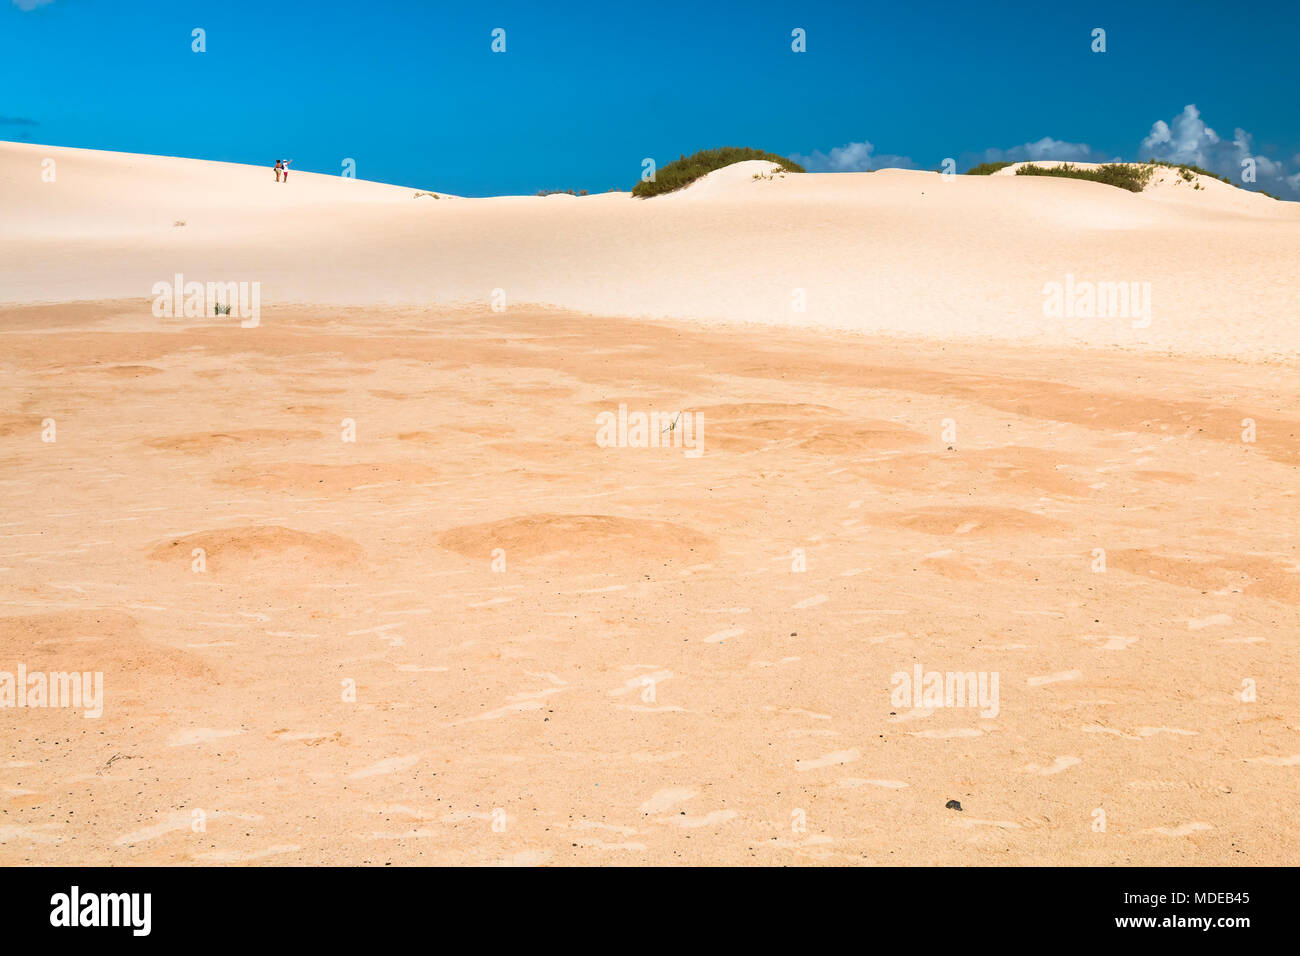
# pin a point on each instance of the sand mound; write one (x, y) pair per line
(1255, 576)
(310, 477)
(253, 544)
(600, 537)
(974, 521)
(92, 640)
(203, 442)
(729, 181)
(746, 427)
(1012, 469)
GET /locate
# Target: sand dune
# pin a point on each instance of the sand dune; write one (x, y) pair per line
(366, 587)
(894, 251)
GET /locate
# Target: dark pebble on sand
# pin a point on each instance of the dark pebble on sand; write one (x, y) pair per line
(953, 805)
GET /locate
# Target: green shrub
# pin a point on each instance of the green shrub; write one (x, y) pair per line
(986, 169)
(685, 170)
(1132, 177)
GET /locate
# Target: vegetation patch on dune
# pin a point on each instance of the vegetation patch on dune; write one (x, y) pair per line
(1133, 177)
(685, 170)
(987, 169)
(1188, 171)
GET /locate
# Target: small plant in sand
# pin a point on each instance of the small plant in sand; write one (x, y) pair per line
(220, 309)
(178, 222)
(434, 195)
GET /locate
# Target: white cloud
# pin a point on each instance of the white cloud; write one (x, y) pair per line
(1187, 139)
(30, 4)
(851, 158)
(1046, 149)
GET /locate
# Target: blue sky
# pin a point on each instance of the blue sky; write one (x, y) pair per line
(413, 93)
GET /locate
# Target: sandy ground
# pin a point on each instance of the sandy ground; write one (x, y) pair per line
(649, 677)
(364, 585)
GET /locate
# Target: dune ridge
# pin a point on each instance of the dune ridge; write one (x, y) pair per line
(895, 251)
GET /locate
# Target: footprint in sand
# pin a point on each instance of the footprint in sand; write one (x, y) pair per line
(708, 819)
(536, 694)
(387, 765)
(1057, 765)
(834, 759)
(643, 709)
(812, 840)
(784, 660)
(592, 843)
(515, 708)
(640, 681)
(597, 825)
(891, 636)
(800, 712)
(1053, 678)
(526, 858)
(853, 782)
(1142, 732)
(179, 820)
(999, 824)
(464, 816)
(186, 738)
(235, 856)
(663, 800)
(39, 833)
(1187, 829)
(1109, 642)
(310, 738)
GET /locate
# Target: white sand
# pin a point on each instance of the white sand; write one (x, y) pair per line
(893, 251)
